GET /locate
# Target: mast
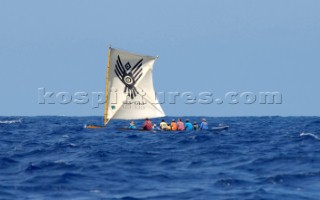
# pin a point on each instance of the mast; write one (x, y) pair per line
(106, 105)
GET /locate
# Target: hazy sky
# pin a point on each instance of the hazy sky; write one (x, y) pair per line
(213, 46)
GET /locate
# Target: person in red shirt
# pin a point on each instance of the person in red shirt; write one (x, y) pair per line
(180, 125)
(147, 125)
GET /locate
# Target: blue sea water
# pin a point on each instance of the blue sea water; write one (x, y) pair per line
(256, 158)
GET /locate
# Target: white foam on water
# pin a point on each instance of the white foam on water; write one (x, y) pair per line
(11, 121)
(310, 134)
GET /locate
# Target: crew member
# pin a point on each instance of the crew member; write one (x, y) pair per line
(147, 125)
(188, 126)
(204, 125)
(163, 125)
(180, 125)
(173, 125)
(132, 126)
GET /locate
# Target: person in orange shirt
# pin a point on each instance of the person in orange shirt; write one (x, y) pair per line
(173, 125)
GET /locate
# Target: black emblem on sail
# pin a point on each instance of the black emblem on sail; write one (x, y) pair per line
(129, 76)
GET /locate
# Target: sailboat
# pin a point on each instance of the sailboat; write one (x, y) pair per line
(130, 94)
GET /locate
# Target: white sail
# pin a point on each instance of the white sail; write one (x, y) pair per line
(130, 88)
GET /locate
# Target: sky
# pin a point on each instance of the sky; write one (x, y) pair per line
(220, 47)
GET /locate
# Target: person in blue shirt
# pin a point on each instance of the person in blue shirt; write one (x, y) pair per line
(132, 126)
(204, 125)
(154, 127)
(188, 126)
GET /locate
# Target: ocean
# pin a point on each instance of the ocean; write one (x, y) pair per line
(256, 158)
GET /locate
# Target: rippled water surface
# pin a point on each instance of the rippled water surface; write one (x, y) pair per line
(256, 158)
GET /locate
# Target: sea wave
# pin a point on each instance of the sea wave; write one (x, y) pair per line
(311, 135)
(55, 158)
(10, 121)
